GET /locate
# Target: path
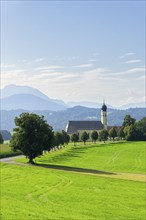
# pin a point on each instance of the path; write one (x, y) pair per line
(117, 175)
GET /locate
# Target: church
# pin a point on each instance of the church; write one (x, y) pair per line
(88, 126)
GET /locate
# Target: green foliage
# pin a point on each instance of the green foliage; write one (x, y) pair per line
(113, 133)
(128, 120)
(1, 139)
(58, 139)
(131, 133)
(84, 136)
(121, 133)
(32, 136)
(66, 137)
(94, 136)
(141, 128)
(136, 131)
(61, 138)
(74, 138)
(103, 135)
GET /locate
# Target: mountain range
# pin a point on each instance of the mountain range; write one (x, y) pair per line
(18, 99)
(24, 97)
(59, 119)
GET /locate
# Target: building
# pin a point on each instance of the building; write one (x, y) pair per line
(88, 126)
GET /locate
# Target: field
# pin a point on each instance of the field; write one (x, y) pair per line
(5, 151)
(115, 157)
(35, 192)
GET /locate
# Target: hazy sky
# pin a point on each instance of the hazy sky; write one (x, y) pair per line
(75, 50)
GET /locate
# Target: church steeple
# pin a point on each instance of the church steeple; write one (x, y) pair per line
(104, 114)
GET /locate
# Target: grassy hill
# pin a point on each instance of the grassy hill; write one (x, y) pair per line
(35, 192)
(115, 157)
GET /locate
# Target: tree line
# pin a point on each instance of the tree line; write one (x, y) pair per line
(130, 131)
(33, 135)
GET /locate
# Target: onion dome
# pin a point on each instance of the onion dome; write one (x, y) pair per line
(104, 108)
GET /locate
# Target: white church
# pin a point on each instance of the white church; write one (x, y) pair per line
(88, 126)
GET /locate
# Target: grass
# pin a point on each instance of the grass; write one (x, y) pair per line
(6, 151)
(38, 193)
(30, 193)
(115, 157)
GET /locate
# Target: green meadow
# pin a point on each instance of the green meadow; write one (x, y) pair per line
(6, 151)
(36, 192)
(115, 157)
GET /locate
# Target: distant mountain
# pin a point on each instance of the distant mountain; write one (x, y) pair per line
(59, 119)
(134, 105)
(87, 104)
(29, 102)
(11, 90)
(14, 89)
(25, 97)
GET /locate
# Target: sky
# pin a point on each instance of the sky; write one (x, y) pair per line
(75, 50)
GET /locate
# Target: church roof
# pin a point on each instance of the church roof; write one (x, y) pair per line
(74, 126)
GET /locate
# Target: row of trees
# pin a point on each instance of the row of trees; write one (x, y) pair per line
(130, 130)
(101, 136)
(34, 135)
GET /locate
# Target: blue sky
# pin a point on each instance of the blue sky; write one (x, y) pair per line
(75, 50)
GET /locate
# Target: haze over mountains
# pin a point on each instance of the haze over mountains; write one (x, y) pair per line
(27, 98)
(18, 99)
(24, 97)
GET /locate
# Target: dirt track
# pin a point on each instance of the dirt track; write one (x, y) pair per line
(117, 175)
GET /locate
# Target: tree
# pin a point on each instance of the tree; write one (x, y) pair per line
(94, 136)
(66, 137)
(103, 135)
(131, 133)
(58, 139)
(84, 136)
(74, 138)
(136, 132)
(113, 133)
(141, 127)
(32, 136)
(128, 120)
(1, 139)
(121, 133)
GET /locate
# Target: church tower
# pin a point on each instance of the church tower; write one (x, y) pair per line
(104, 115)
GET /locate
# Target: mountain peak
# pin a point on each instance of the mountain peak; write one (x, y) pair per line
(16, 89)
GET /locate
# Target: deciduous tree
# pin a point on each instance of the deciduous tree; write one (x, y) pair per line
(113, 133)
(103, 135)
(84, 136)
(74, 138)
(32, 136)
(120, 133)
(66, 137)
(94, 136)
(128, 120)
